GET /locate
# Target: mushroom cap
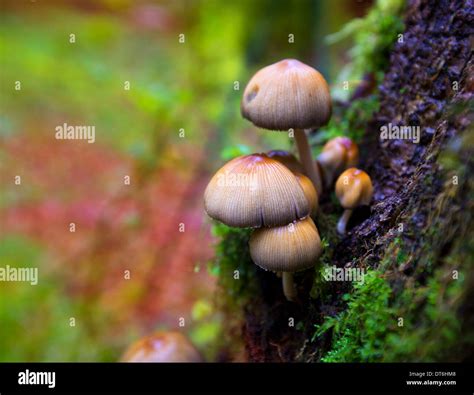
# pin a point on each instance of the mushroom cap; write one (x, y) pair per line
(354, 188)
(253, 191)
(288, 159)
(337, 155)
(287, 94)
(309, 191)
(287, 248)
(162, 347)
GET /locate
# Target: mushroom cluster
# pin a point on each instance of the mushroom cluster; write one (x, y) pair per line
(274, 193)
(257, 191)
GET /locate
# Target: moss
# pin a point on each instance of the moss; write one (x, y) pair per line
(232, 263)
(359, 330)
(326, 224)
(429, 300)
(418, 323)
(373, 37)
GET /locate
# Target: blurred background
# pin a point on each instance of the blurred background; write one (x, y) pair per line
(166, 115)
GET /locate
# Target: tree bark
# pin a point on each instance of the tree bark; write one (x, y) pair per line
(429, 81)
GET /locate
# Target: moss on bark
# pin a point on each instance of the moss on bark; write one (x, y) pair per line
(416, 242)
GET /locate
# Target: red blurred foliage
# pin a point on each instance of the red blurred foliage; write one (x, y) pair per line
(118, 227)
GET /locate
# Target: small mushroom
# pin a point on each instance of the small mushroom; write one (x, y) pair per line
(288, 159)
(353, 189)
(162, 347)
(338, 154)
(289, 95)
(254, 191)
(286, 249)
(309, 191)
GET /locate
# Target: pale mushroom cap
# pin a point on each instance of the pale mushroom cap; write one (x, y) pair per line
(354, 188)
(309, 191)
(287, 248)
(338, 154)
(288, 159)
(254, 191)
(162, 347)
(287, 94)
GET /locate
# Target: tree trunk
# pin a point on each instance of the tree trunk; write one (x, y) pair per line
(422, 203)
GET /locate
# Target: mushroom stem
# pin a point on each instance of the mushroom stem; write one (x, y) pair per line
(289, 286)
(341, 225)
(305, 157)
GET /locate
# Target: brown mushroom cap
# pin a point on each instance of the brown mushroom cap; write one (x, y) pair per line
(354, 188)
(337, 155)
(288, 159)
(287, 248)
(162, 347)
(287, 94)
(309, 191)
(253, 191)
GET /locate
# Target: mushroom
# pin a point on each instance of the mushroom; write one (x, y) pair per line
(289, 95)
(288, 159)
(254, 191)
(338, 154)
(163, 346)
(286, 249)
(309, 191)
(353, 189)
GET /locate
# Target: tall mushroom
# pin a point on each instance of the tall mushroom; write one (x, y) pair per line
(289, 95)
(353, 189)
(254, 191)
(338, 154)
(286, 249)
(162, 346)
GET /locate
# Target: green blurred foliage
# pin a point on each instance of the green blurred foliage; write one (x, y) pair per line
(35, 319)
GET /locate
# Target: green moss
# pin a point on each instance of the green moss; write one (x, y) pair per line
(232, 263)
(373, 37)
(359, 330)
(326, 224)
(394, 318)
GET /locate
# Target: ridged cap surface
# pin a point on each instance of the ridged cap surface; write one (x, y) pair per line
(309, 191)
(254, 191)
(287, 248)
(287, 94)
